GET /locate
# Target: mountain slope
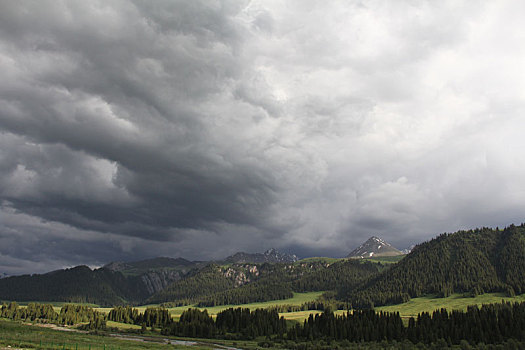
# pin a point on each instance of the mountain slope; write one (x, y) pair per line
(269, 256)
(157, 273)
(115, 283)
(373, 247)
(244, 283)
(79, 284)
(474, 261)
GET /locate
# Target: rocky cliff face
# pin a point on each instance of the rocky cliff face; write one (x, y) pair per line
(157, 280)
(241, 274)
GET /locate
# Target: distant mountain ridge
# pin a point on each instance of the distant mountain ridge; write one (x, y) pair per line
(374, 246)
(270, 256)
(475, 261)
(155, 263)
(117, 282)
(79, 284)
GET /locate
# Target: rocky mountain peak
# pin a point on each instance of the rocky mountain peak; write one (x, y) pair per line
(374, 246)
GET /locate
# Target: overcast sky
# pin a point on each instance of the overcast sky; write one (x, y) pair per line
(134, 129)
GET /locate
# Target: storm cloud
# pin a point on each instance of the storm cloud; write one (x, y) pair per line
(133, 129)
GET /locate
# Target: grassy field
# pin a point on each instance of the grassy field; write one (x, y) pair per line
(17, 335)
(410, 308)
(385, 259)
(298, 299)
(453, 302)
(123, 326)
(425, 304)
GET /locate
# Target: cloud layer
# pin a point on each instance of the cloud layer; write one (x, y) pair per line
(131, 129)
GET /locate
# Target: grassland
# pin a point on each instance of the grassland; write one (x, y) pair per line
(385, 259)
(408, 309)
(298, 299)
(453, 302)
(425, 304)
(17, 335)
(122, 326)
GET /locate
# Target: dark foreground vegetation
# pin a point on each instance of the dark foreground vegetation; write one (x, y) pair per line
(490, 326)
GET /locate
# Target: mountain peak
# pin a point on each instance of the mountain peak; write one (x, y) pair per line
(374, 246)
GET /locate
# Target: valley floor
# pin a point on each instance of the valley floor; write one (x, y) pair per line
(298, 299)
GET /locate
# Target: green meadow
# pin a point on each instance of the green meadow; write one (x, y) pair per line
(453, 302)
(298, 299)
(22, 336)
(385, 259)
(408, 309)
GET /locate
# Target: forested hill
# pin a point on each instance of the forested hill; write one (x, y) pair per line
(475, 261)
(114, 284)
(245, 283)
(79, 284)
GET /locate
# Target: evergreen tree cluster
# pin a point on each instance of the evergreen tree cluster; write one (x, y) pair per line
(33, 312)
(239, 323)
(124, 314)
(72, 314)
(250, 324)
(347, 273)
(249, 293)
(192, 323)
(357, 326)
(152, 317)
(490, 324)
(474, 262)
(69, 314)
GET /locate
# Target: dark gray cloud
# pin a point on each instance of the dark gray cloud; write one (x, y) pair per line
(136, 129)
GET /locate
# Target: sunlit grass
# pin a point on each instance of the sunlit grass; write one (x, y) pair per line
(298, 299)
(120, 325)
(454, 302)
(21, 336)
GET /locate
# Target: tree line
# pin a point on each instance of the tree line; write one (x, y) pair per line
(69, 314)
(489, 324)
(494, 323)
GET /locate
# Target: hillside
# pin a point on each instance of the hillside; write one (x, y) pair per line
(374, 247)
(246, 283)
(475, 261)
(115, 283)
(157, 273)
(79, 284)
